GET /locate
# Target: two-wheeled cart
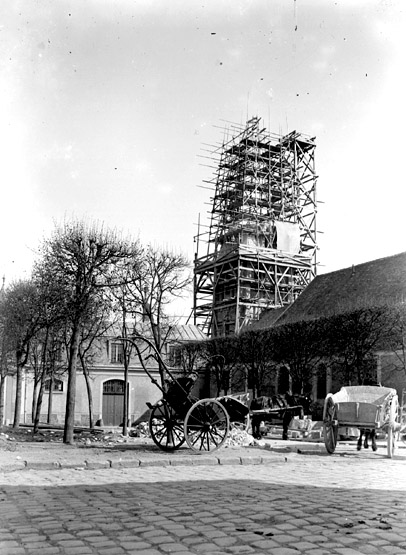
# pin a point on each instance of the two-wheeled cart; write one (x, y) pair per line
(364, 407)
(179, 417)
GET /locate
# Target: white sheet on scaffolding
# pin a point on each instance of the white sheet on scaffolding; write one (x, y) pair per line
(288, 236)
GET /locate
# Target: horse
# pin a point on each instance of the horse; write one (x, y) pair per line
(367, 434)
(284, 407)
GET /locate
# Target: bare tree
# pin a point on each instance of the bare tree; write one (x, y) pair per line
(82, 259)
(396, 338)
(256, 349)
(20, 309)
(126, 306)
(187, 355)
(153, 283)
(5, 356)
(222, 355)
(353, 338)
(47, 364)
(96, 325)
(299, 347)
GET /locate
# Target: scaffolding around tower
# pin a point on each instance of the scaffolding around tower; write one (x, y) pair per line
(258, 250)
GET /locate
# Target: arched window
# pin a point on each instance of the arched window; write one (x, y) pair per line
(115, 387)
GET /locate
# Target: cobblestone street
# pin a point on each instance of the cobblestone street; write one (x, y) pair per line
(285, 506)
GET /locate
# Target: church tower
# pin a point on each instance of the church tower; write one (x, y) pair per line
(259, 251)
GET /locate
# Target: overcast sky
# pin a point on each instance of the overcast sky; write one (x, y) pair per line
(106, 105)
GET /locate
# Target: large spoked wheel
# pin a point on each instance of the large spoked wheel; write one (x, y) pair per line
(165, 428)
(391, 436)
(330, 424)
(206, 425)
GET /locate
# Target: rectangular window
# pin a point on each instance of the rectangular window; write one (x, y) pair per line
(57, 385)
(117, 353)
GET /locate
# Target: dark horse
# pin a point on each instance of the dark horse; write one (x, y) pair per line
(283, 407)
(368, 434)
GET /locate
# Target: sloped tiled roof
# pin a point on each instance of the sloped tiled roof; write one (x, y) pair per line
(267, 319)
(187, 332)
(375, 283)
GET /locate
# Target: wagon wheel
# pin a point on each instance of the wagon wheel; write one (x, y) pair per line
(206, 425)
(393, 412)
(165, 428)
(330, 424)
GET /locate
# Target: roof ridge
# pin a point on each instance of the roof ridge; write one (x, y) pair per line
(369, 262)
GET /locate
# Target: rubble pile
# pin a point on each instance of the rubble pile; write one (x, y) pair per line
(7, 443)
(140, 430)
(238, 437)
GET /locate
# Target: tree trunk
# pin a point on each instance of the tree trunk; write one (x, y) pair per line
(2, 390)
(71, 390)
(125, 408)
(39, 400)
(38, 409)
(35, 394)
(50, 398)
(19, 386)
(41, 385)
(89, 390)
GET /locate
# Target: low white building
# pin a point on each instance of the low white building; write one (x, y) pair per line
(106, 377)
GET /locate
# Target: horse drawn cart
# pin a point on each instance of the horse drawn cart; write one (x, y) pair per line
(369, 408)
(179, 417)
(279, 408)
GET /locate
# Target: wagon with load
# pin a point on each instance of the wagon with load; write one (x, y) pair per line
(370, 408)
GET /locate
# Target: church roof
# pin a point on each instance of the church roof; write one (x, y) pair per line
(376, 283)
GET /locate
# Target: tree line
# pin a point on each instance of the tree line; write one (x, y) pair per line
(346, 342)
(87, 281)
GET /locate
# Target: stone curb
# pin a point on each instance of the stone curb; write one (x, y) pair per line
(274, 456)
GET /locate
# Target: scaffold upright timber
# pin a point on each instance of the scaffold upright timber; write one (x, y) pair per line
(260, 245)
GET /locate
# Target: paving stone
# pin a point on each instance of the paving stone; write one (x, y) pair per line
(226, 461)
(78, 550)
(370, 550)
(129, 545)
(125, 464)
(153, 462)
(173, 547)
(265, 544)
(53, 550)
(192, 540)
(209, 509)
(111, 550)
(251, 460)
(303, 546)
(182, 462)
(284, 551)
(206, 547)
(42, 465)
(94, 465)
(201, 460)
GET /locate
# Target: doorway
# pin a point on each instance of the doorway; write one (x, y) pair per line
(113, 402)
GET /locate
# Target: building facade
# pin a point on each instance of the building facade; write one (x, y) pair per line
(107, 384)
